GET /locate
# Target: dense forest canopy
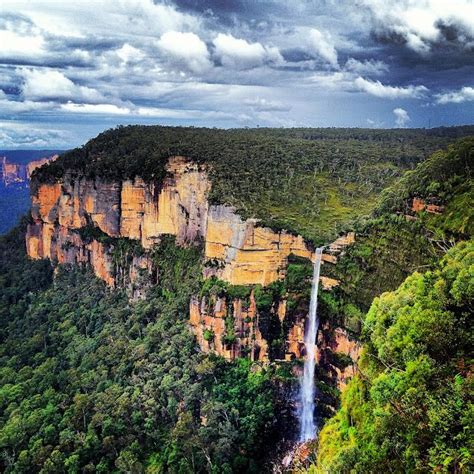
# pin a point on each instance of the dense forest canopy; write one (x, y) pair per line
(310, 181)
(91, 382)
(410, 407)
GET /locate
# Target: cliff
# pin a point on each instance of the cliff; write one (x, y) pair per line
(20, 174)
(82, 220)
(12, 173)
(236, 251)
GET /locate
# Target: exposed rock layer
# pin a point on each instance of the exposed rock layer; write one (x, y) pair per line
(241, 253)
(237, 251)
(20, 174)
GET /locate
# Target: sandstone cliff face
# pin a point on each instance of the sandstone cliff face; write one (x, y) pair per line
(12, 173)
(20, 174)
(32, 165)
(248, 254)
(242, 252)
(213, 318)
(235, 250)
(340, 342)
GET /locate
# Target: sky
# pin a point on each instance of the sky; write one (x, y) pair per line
(69, 70)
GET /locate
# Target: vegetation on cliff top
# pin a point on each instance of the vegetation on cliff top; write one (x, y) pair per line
(397, 241)
(310, 181)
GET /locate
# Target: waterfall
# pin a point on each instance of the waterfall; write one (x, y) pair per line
(307, 388)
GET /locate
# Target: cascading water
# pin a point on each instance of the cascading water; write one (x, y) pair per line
(307, 388)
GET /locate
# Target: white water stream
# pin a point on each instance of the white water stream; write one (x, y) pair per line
(307, 387)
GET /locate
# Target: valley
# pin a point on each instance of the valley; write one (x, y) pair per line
(156, 301)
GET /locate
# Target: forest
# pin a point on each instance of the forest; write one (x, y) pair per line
(92, 381)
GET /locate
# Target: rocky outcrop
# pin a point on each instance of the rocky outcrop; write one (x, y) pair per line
(337, 343)
(12, 173)
(419, 205)
(16, 174)
(79, 220)
(245, 253)
(33, 165)
(228, 328)
(239, 251)
(349, 347)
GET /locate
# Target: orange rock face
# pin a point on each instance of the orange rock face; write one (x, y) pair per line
(208, 323)
(419, 205)
(241, 252)
(32, 165)
(246, 254)
(341, 343)
(295, 341)
(15, 173)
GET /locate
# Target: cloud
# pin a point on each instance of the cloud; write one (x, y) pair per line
(231, 63)
(130, 54)
(368, 67)
(422, 24)
(321, 44)
(108, 109)
(338, 80)
(103, 17)
(378, 89)
(261, 104)
(465, 94)
(48, 84)
(374, 123)
(401, 117)
(19, 46)
(240, 54)
(14, 135)
(186, 49)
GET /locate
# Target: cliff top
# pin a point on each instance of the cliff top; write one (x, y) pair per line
(310, 181)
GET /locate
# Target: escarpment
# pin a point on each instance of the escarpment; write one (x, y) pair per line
(114, 226)
(237, 251)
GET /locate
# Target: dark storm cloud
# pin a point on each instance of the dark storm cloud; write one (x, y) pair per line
(94, 44)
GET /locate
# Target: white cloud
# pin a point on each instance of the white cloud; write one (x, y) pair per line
(187, 49)
(420, 22)
(103, 17)
(109, 109)
(378, 89)
(185, 114)
(16, 46)
(8, 107)
(371, 67)
(16, 135)
(375, 123)
(262, 104)
(401, 117)
(240, 54)
(340, 80)
(130, 54)
(465, 94)
(321, 44)
(46, 84)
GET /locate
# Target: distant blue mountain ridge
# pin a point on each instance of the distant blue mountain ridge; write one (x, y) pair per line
(15, 194)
